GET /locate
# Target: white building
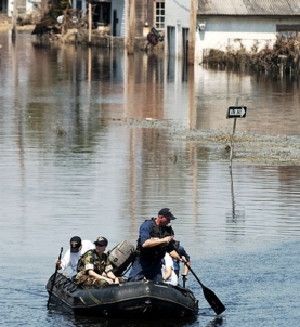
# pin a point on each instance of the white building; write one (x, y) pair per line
(23, 7)
(177, 26)
(232, 24)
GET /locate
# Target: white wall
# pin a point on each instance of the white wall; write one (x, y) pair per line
(10, 8)
(177, 15)
(223, 33)
(28, 4)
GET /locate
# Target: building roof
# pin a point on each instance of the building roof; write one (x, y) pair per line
(249, 7)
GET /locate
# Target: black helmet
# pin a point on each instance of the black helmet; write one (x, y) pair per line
(101, 241)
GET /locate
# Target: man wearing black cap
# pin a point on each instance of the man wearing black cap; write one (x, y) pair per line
(155, 239)
(71, 257)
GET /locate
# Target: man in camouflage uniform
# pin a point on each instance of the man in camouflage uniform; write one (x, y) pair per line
(93, 267)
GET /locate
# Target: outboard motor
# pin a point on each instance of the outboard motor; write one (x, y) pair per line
(121, 256)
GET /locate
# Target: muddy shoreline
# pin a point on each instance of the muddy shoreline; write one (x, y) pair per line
(249, 148)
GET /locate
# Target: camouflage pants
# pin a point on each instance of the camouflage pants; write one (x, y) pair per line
(86, 280)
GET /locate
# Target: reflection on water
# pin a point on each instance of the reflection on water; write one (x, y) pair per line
(139, 86)
(272, 105)
(69, 166)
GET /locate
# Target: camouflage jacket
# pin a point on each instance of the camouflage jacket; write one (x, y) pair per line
(91, 260)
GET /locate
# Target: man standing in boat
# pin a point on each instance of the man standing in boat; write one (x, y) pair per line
(70, 259)
(155, 239)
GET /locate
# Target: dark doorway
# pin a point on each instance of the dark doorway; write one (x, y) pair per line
(115, 23)
(101, 14)
(171, 40)
(79, 4)
(185, 43)
(4, 7)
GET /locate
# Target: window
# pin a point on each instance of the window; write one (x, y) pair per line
(288, 31)
(79, 4)
(160, 15)
(101, 15)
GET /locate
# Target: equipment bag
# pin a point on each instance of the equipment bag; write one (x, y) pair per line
(121, 256)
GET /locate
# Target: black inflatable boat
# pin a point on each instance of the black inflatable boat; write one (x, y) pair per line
(143, 298)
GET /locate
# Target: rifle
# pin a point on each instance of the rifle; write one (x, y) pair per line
(54, 277)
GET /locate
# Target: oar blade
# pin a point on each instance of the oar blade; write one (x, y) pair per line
(213, 300)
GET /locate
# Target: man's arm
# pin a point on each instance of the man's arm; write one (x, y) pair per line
(110, 274)
(183, 253)
(154, 241)
(97, 276)
(168, 273)
(185, 267)
(175, 255)
(168, 267)
(146, 241)
(185, 259)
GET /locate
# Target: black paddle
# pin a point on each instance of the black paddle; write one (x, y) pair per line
(54, 277)
(214, 302)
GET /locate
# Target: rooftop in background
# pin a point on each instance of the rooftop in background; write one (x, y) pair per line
(249, 7)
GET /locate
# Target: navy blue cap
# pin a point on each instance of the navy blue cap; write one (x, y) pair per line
(166, 213)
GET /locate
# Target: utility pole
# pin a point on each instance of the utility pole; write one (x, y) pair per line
(192, 38)
(14, 22)
(90, 23)
(131, 27)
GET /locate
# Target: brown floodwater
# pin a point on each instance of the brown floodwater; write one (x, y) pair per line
(69, 165)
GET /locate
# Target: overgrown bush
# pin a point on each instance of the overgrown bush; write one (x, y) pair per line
(283, 57)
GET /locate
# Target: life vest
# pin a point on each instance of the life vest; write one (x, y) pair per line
(155, 254)
(121, 256)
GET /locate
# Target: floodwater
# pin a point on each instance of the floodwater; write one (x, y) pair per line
(69, 165)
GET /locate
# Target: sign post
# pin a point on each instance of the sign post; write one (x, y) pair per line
(235, 112)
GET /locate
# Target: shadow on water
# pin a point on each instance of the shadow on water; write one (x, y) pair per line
(80, 322)
(67, 318)
(215, 322)
(71, 319)
(131, 323)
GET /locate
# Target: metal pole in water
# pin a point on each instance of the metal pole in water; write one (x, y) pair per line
(232, 142)
(232, 195)
(232, 135)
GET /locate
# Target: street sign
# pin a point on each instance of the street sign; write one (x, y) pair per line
(236, 112)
